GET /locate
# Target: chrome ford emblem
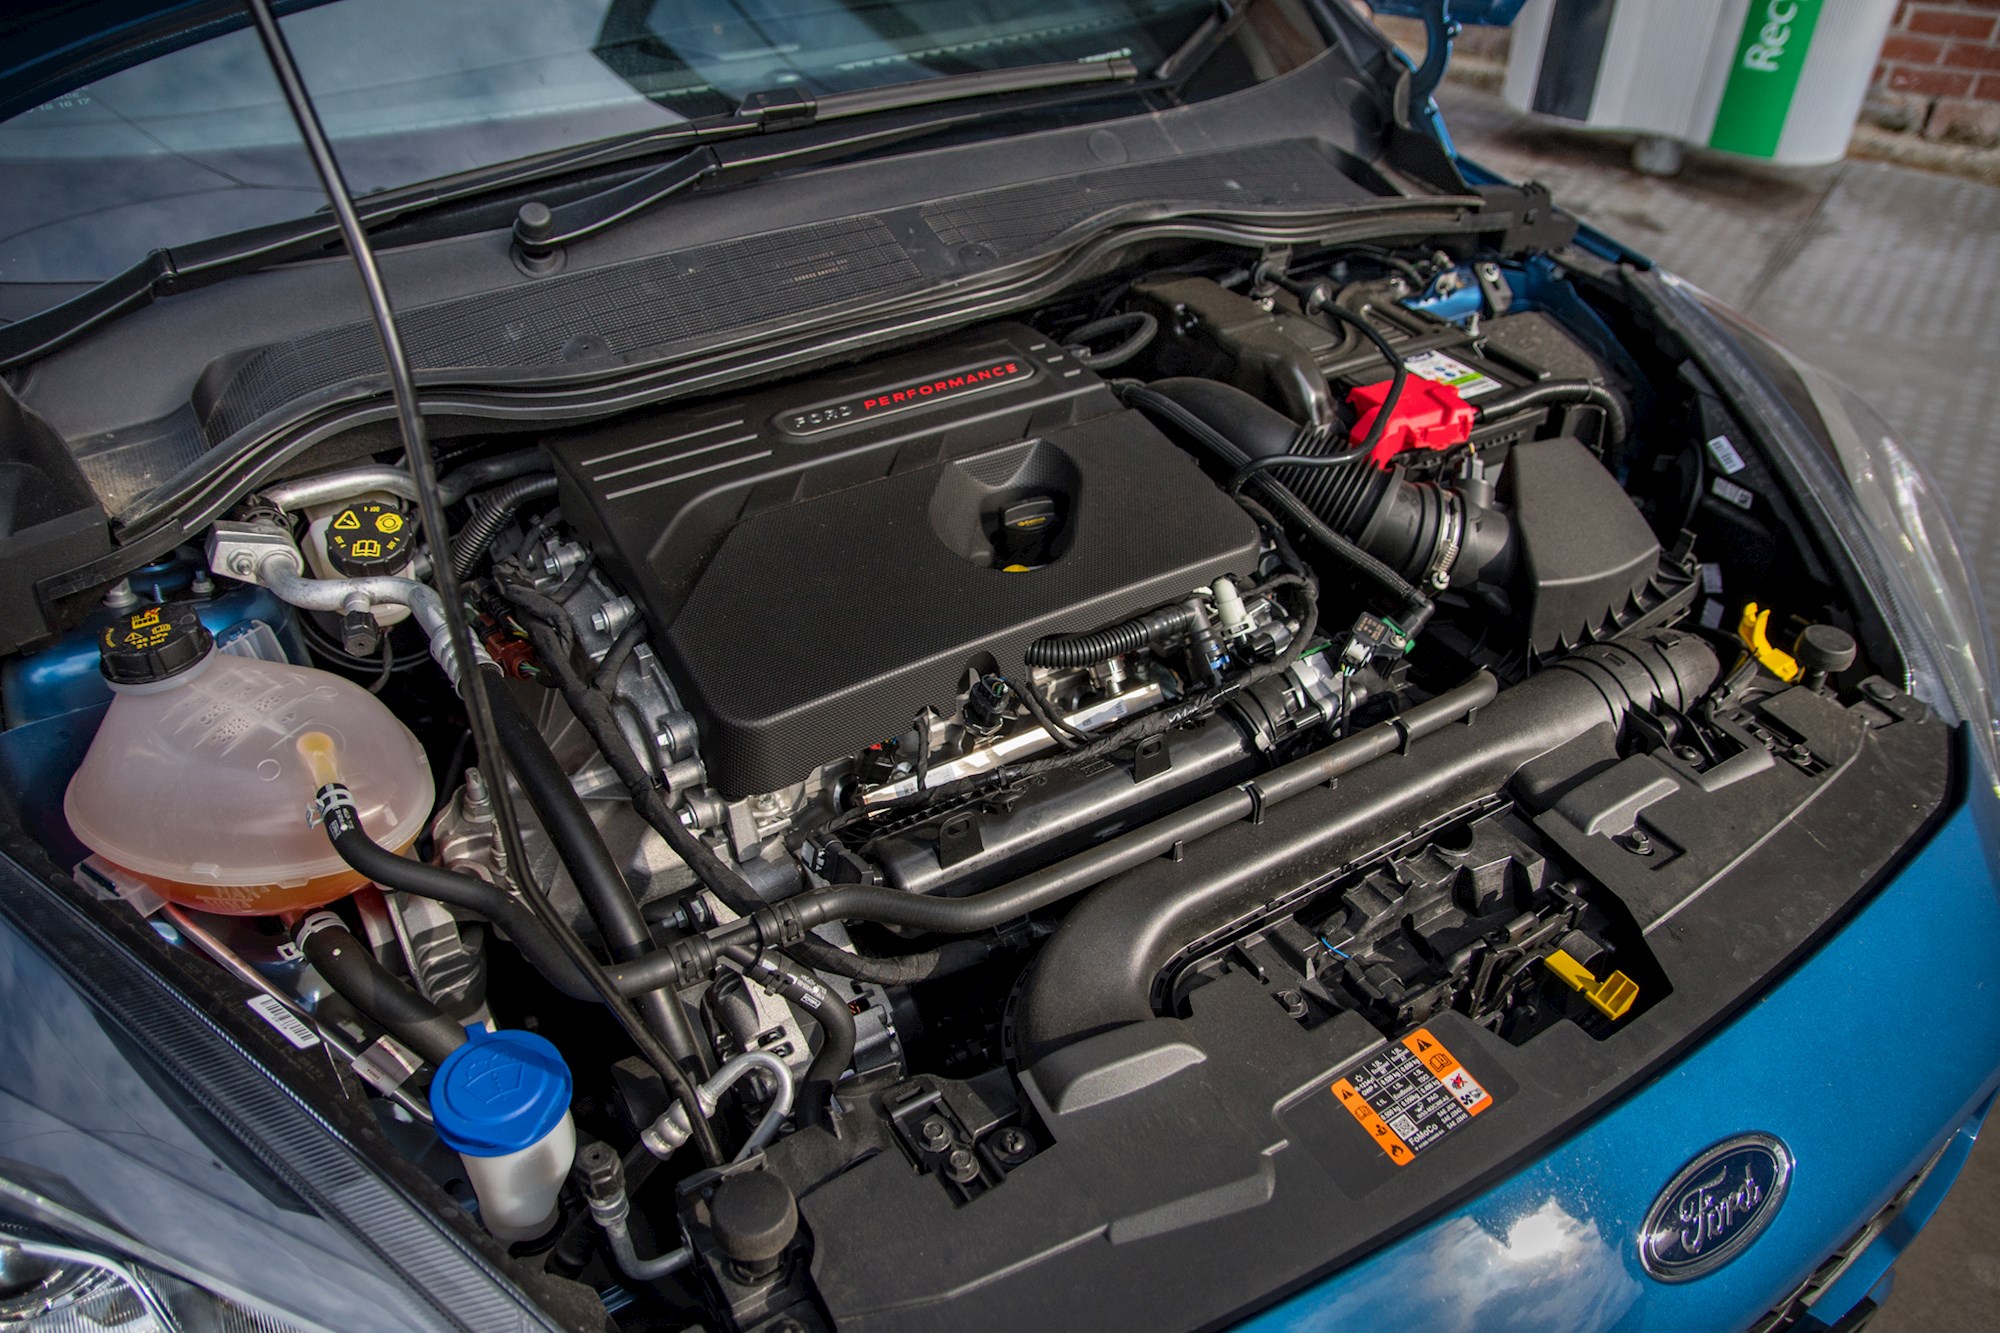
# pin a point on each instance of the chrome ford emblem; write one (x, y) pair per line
(1715, 1207)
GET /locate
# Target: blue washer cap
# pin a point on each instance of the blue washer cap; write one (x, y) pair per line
(499, 1093)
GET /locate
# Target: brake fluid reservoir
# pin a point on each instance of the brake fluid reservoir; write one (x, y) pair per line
(195, 783)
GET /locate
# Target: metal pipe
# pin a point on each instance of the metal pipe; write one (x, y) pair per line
(280, 571)
(326, 487)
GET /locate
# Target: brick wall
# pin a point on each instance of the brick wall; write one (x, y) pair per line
(1940, 72)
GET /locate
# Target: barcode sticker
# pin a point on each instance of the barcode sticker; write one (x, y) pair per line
(290, 1026)
(1725, 455)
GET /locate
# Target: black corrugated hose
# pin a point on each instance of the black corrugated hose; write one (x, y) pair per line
(492, 510)
(1081, 650)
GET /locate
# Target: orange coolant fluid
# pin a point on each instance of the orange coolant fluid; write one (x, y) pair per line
(196, 784)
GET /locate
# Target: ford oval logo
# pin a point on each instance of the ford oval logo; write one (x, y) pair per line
(1715, 1207)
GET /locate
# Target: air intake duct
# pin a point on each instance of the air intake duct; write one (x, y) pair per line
(1433, 536)
(1097, 972)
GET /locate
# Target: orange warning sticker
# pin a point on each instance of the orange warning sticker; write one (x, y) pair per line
(1411, 1095)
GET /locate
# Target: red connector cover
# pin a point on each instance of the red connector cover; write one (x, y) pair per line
(1429, 415)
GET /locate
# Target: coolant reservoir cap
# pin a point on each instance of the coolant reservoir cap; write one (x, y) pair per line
(499, 1093)
(152, 644)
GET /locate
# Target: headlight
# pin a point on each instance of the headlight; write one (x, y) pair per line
(1918, 535)
(1879, 503)
(50, 1286)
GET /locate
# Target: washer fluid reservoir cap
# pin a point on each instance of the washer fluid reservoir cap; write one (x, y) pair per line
(152, 644)
(499, 1093)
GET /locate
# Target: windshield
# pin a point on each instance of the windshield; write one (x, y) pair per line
(198, 143)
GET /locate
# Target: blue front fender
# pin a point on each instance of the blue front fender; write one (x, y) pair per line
(1878, 1052)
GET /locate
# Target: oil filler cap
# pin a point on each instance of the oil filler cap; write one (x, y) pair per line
(499, 1093)
(369, 538)
(152, 644)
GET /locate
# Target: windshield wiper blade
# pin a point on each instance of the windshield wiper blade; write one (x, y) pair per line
(540, 231)
(788, 108)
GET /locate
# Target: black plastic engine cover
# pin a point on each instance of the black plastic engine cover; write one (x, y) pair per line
(821, 561)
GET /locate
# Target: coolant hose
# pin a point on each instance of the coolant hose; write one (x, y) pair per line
(495, 508)
(465, 478)
(382, 866)
(1549, 393)
(599, 881)
(1098, 971)
(347, 966)
(827, 1010)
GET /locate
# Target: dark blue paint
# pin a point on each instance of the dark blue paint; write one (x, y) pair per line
(63, 677)
(1863, 1066)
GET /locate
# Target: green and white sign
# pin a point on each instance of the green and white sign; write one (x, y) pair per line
(1769, 55)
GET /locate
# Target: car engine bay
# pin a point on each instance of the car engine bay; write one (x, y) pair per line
(1021, 779)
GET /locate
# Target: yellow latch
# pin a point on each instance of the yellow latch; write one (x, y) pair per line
(1754, 631)
(1612, 996)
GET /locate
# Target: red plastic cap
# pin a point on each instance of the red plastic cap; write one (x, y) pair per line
(1429, 415)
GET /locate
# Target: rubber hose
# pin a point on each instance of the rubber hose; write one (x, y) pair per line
(1548, 393)
(495, 508)
(1082, 650)
(599, 881)
(1099, 969)
(495, 904)
(466, 478)
(541, 618)
(827, 1011)
(1143, 327)
(353, 972)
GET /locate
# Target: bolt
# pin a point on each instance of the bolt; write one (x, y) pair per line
(120, 596)
(202, 584)
(240, 563)
(1013, 1144)
(1293, 1003)
(934, 1133)
(1637, 842)
(961, 1166)
(1687, 754)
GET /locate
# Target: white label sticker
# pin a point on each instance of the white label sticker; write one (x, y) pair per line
(1725, 455)
(290, 1026)
(1711, 614)
(1441, 369)
(1726, 489)
(1711, 579)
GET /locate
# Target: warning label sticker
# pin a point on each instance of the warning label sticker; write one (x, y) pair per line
(1441, 369)
(1411, 1095)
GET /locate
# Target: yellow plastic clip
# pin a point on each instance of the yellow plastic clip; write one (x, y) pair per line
(1611, 997)
(1754, 631)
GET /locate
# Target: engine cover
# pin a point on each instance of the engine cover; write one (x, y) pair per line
(821, 561)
